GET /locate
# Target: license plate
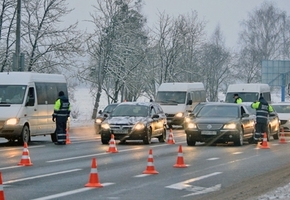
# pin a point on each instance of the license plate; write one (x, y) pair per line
(120, 131)
(208, 132)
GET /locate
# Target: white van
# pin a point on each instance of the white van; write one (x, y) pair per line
(249, 92)
(176, 99)
(27, 103)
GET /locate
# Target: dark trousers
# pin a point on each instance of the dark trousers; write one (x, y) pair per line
(61, 130)
(261, 128)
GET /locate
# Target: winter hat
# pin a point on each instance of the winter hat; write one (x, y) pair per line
(61, 93)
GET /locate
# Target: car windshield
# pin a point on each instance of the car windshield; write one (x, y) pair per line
(251, 110)
(170, 97)
(281, 108)
(218, 111)
(12, 94)
(130, 110)
(246, 96)
(110, 108)
(197, 108)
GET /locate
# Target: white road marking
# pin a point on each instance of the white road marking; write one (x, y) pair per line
(41, 176)
(185, 184)
(11, 167)
(202, 190)
(238, 152)
(90, 155)
(213, 158)
(12, 149)
(142, 175)
(70, 192)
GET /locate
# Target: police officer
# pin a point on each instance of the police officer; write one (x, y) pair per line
(60, 116)
(262, 111)
(238, 99)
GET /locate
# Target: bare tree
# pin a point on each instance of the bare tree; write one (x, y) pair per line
(266, 36)
(47, 46)
(7, 30)
(216, 60)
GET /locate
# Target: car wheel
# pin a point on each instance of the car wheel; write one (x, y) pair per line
(276, 135)
(190, 141)
(105, 140)
(162, 138)
(53, 137)
(25, 135)
(239, 140)
(147, 138)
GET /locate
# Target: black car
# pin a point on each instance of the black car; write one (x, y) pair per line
(135, 121)
(221, 123)
(103, 114)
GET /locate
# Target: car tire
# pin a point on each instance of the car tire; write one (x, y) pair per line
(190, 141)
(239, 140)
(25, 135)
(53, 137)
(276, 135)
(147, 138)
(105, 140)
(162, 138)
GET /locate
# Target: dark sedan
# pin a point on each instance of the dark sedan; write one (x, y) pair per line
(221, 123)
(135, 121)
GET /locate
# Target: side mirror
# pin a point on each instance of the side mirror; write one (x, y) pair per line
(189, 102)
(100, 112)
(245, 115)
(155, 116)
(30, 102)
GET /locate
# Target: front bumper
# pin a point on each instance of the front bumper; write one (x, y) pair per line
(213, 135)
(125, 135)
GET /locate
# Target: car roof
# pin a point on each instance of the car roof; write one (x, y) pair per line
(138, 103)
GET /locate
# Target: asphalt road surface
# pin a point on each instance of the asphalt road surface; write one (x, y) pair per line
(212, 172)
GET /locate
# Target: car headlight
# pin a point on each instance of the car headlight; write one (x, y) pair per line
(230, 126)
(98, 121)
(186, 119)
(12, 121)
(179, 115)
(139, 126)
(105, 126)
(191, 125)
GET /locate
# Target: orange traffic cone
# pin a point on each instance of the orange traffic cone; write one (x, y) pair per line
(25, 159)
(282, 137)
(264, 144)
(180, 161)
(67, 141)
(170, 138)
(1, 188)
(112, 145)
(150, 166)
(94, 177)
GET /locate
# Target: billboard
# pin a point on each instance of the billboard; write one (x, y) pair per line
(276, 72)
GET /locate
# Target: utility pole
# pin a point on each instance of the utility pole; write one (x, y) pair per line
(17, 64)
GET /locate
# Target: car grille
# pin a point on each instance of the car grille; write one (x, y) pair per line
(209, 126)
(283, 122)
(121, 128)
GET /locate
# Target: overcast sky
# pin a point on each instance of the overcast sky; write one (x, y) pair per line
(227, 13)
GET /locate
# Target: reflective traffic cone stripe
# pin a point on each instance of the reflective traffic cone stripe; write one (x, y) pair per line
(67, 141)
(265, 142)
(1, 188)
(94, 177)
(112, 145)
(170, 138)
(282, 137)
(25, 158)
(180, 160)
(150, 169)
